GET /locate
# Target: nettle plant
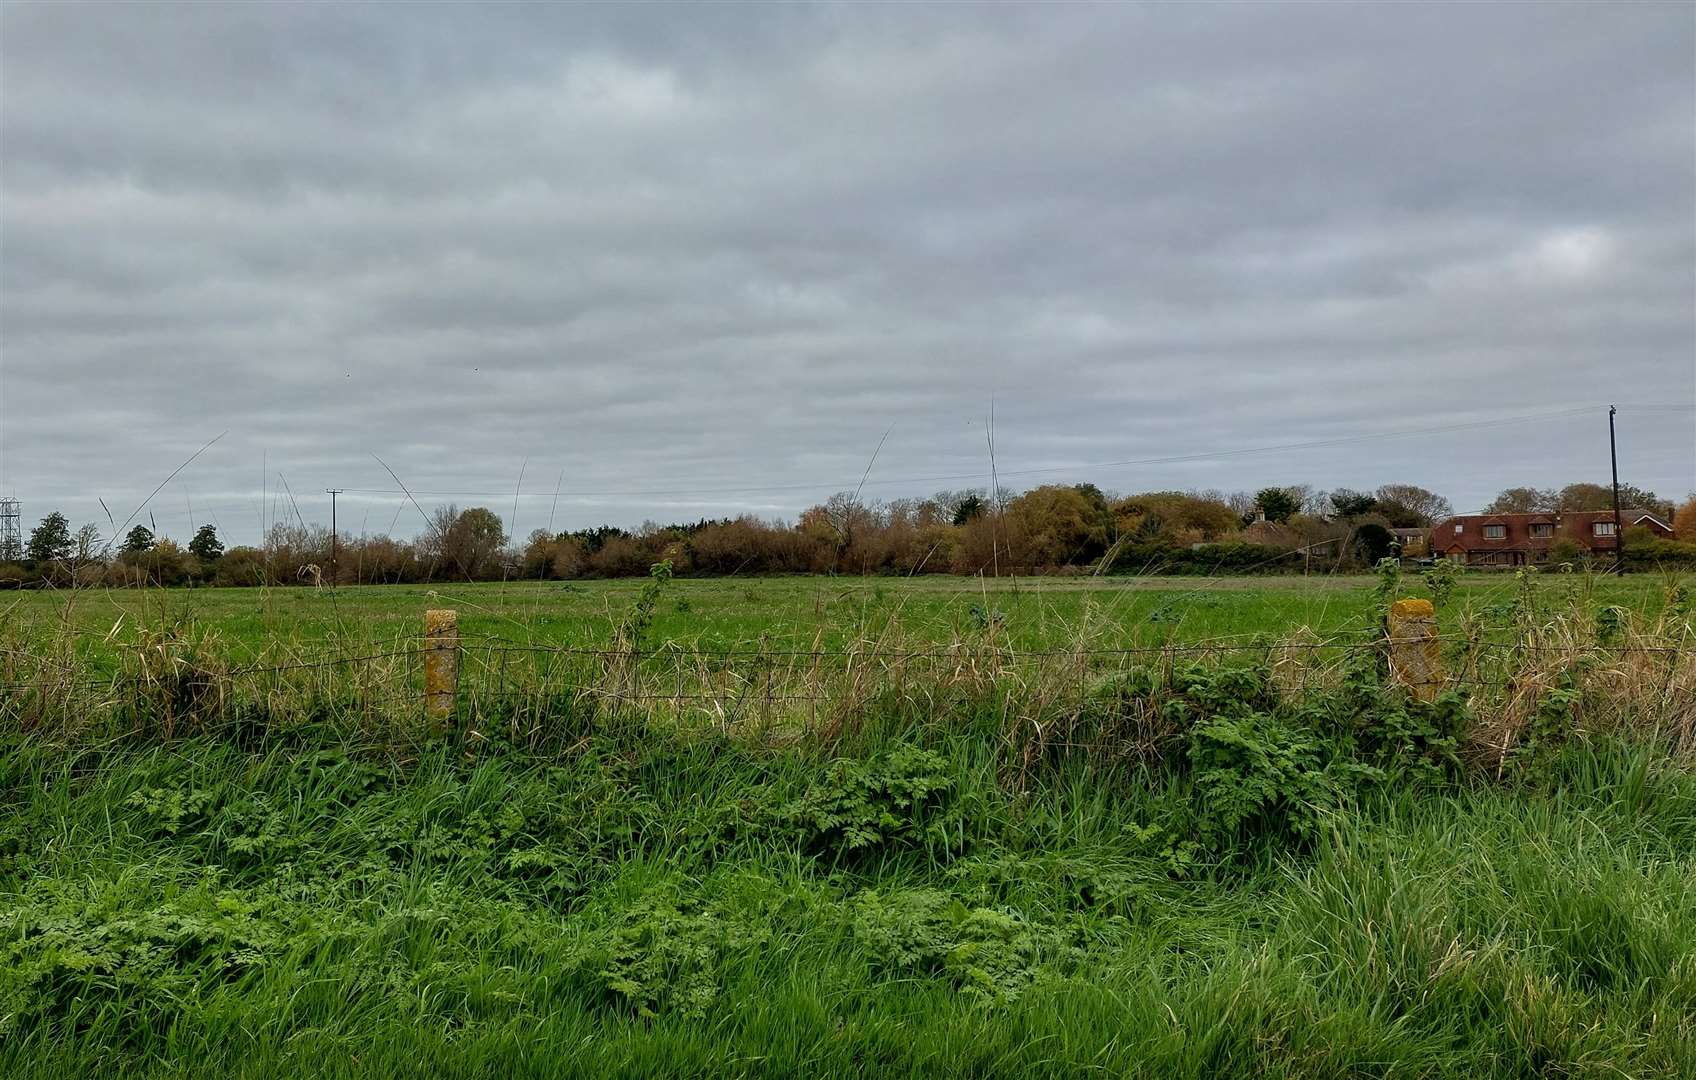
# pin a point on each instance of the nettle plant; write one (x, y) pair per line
(641, 615)
(1441, 579)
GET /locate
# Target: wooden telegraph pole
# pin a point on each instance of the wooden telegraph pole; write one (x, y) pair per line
(332, 493)
(1619, 530)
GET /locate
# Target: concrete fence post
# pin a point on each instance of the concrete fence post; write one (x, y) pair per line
(1416, 660)
(441, 666)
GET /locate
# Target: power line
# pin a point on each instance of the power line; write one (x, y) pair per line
(1168, 459)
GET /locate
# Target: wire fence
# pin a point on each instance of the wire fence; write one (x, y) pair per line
(526, 690)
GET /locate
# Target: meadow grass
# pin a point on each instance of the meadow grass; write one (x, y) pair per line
(719, 613)
(989, 862)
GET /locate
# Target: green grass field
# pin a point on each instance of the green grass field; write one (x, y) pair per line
(1190, 870)
(1031, 613)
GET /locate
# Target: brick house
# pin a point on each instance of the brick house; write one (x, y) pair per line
(1517, 539)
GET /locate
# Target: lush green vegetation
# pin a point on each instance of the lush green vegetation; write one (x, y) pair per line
(990, 863)
(649, 905)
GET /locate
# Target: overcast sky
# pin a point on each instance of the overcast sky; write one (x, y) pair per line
(701, 259)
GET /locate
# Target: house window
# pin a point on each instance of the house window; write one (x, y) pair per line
(1495, 532)
(1542, 531)
(1602, 528)
(1459, 529)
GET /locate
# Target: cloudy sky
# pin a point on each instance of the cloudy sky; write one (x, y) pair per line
(684, 261)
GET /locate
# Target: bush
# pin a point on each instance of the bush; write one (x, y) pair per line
(927, 933)
(860, 806)
(240, 566)
(1207, 559)
(1655, 554)
(1261, 779)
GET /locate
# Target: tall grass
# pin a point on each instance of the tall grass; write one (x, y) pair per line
(656, 907)
(1521, 658)
(949, 858)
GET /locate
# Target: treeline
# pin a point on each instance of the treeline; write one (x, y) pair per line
(1076, 528)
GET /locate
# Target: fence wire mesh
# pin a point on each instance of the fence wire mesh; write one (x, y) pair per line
(522, 690)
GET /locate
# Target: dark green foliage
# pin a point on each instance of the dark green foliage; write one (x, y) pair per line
(1411, 739)
(593, 540)
(929, 933)
(68, 955)
(1349, 504)
(1551, 724)
(1206, 560)
(1661, 555)
(1259, 778)
(50, 540)
(1374, 541)
(665, 954)
(894, 799)
(138, 540)
(206, 546)
(970, 508)
(1278, 504)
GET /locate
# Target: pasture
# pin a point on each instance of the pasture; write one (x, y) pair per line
(1022, 847)
(805, 612)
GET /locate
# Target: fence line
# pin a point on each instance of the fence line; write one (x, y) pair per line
(172, 683)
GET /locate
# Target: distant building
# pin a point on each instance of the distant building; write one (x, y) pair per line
(1412, 541)
(1518, 539)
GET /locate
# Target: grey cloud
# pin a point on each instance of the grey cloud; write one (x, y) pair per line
(690, 248)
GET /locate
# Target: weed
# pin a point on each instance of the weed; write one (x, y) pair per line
(1260, 779)
(1440, 578)
(663, 954)
(992, 955)
(895, 799)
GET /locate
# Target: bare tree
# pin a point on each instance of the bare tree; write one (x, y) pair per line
(1421, 507)
(86, 545)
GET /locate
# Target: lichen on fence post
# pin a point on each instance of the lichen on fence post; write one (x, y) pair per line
(441, 667)
(1416, 660)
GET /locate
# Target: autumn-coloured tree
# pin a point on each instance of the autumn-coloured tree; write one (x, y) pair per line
(1055, 525)
(464, 543)
(1173, 517)
(1684, 522)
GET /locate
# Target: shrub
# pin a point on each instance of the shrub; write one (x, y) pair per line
(1260, 779)
(1232, 557)
(859, 806)
(663, 954)
(929, 934)
(1650, 554)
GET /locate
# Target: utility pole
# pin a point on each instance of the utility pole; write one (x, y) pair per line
(332, 493)
(1619, 531)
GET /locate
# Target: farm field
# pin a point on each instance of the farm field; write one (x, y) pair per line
(982, 866)
(801, 613)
